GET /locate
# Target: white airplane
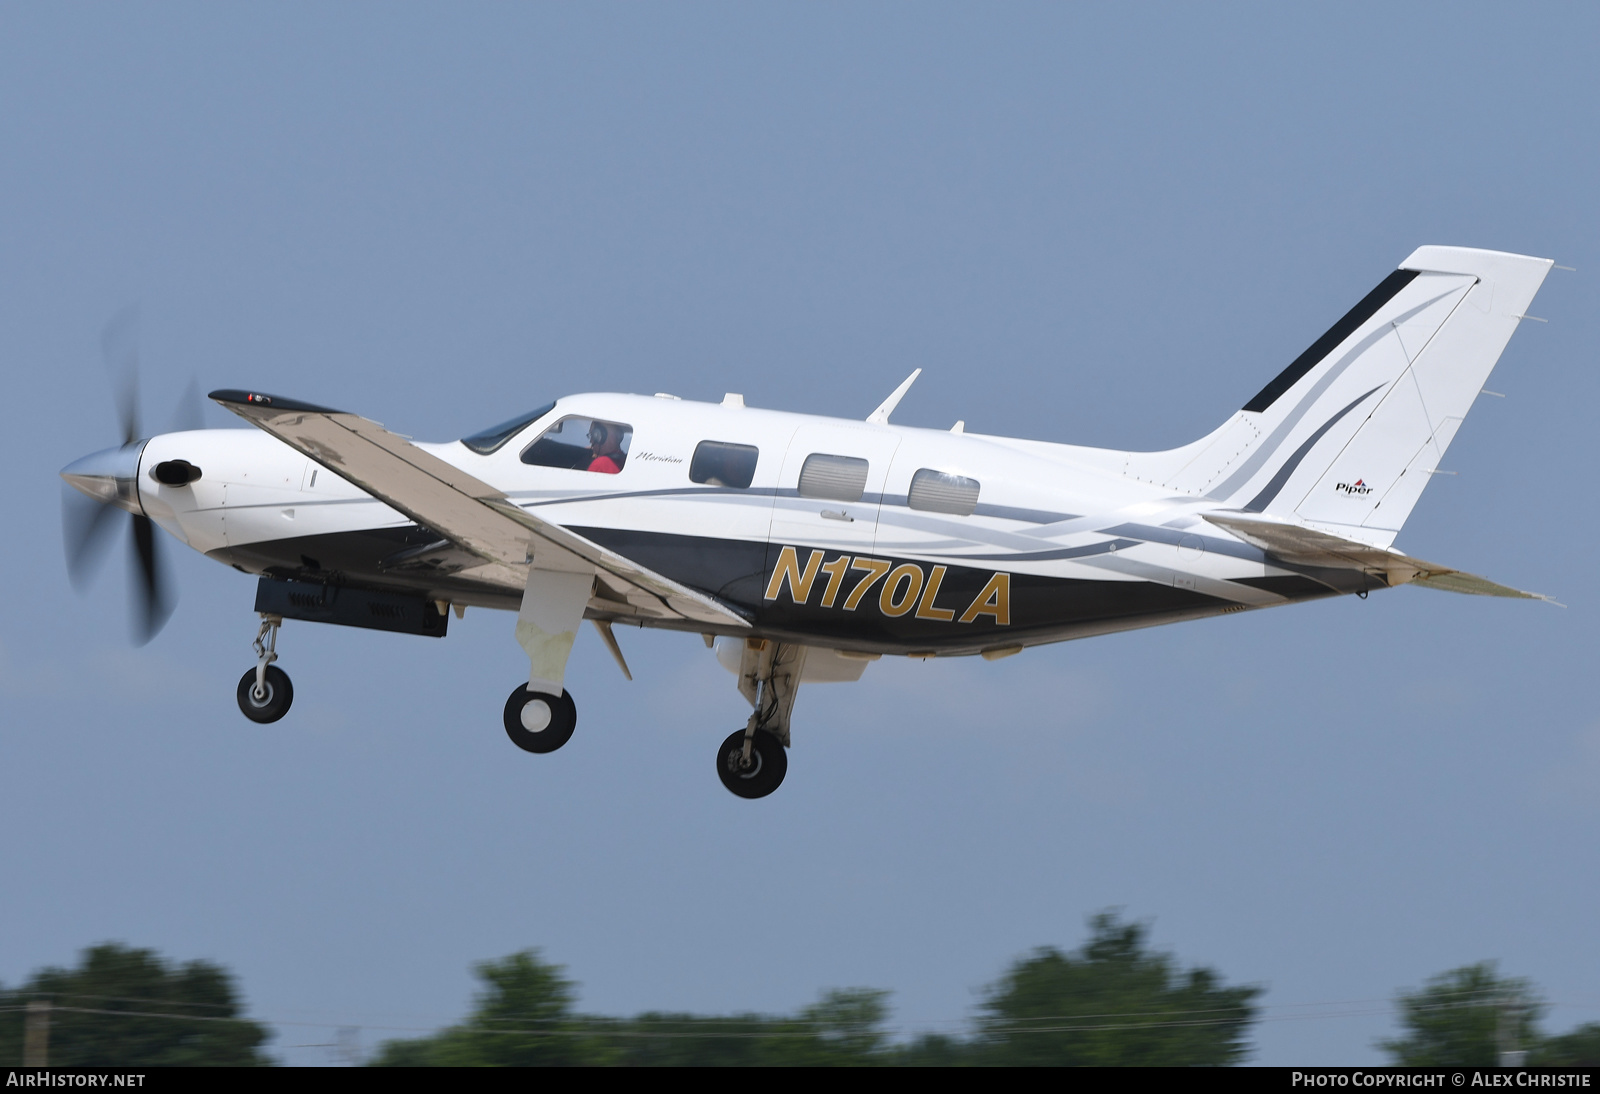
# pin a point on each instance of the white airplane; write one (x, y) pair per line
(803, 548)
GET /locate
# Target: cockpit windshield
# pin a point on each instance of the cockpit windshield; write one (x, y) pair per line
(495, 436)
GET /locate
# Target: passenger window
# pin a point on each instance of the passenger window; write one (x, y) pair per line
(937, 492)
(834, 478)
(581, 444)
(718, 463)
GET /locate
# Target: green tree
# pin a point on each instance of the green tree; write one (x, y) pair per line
(936, 1050)
(1113, 1002)
(128, 1007)
(522, 1018)
(848, 1025)
(1465, 1018)
(1580, 1048)
(843, 1028)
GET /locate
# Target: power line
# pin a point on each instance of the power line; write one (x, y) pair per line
(808, 1027)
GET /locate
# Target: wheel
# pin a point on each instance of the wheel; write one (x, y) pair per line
(271, 706)
(769, 763)
(539, 722)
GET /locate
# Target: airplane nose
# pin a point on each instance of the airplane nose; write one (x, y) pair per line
(110, 476)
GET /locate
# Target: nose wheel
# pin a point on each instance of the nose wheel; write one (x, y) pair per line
(264, 693)
(268, 701)
(754, 771)
(537, 721)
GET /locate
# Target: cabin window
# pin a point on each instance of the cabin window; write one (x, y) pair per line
(718, 463)
(582, 444)
(495, 436)
(938, 492)
(834, 478)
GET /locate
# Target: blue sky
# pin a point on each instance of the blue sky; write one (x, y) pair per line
(1103, 226)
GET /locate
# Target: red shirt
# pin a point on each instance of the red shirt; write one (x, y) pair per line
(605, 465)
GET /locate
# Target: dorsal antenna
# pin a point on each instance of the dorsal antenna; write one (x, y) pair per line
(881, 415)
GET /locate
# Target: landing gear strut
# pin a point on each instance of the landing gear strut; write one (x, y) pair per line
(264, 692)
(537, 721)
(752, 762)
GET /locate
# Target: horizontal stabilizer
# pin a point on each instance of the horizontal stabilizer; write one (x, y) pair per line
(1454, 581)
(1304, 546)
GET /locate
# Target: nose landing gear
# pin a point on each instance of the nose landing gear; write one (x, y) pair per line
(264, 692)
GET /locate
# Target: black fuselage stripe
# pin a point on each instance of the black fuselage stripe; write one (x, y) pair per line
(739, 572)
(1336, 334)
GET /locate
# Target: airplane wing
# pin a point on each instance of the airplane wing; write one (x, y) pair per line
(467, 510)
(1310, 547)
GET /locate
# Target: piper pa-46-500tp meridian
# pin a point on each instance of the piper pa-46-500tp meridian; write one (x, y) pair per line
(803, 548)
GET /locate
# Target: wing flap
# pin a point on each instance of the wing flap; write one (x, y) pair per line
(464, 509)
(1296, 543)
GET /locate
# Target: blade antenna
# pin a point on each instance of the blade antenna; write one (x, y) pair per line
(881, 415)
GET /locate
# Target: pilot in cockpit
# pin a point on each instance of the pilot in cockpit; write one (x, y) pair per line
(605, 442)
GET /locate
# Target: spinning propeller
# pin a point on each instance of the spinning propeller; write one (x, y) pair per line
(109, 480)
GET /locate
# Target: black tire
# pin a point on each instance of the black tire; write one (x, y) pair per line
(525, 731)
(271, 706)
(769, 763)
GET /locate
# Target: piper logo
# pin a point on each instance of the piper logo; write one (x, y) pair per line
(1358, 487)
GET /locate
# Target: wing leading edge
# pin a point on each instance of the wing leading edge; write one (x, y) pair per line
(467, 510)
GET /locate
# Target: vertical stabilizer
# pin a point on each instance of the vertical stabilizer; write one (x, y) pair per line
(1349, 434)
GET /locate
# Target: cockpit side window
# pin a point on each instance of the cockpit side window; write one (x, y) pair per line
(495, 436)
(719, 463)
(582, 444)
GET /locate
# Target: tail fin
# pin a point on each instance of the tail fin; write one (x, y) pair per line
(1349, 434)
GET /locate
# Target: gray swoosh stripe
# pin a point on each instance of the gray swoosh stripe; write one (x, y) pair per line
(1101, 548)
(1162, 575)
(1265, 498)
(1214, 545)
(1270, 446)
(529, 499)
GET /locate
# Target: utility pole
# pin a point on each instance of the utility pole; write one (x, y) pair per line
(1506, 1031)
(36, 1035)
(347, 1047)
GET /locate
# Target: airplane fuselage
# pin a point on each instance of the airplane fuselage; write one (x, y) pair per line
(1047, 544)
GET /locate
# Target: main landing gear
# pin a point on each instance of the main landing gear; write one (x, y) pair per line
(753, 761)
(264, 692)
(537, 721)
